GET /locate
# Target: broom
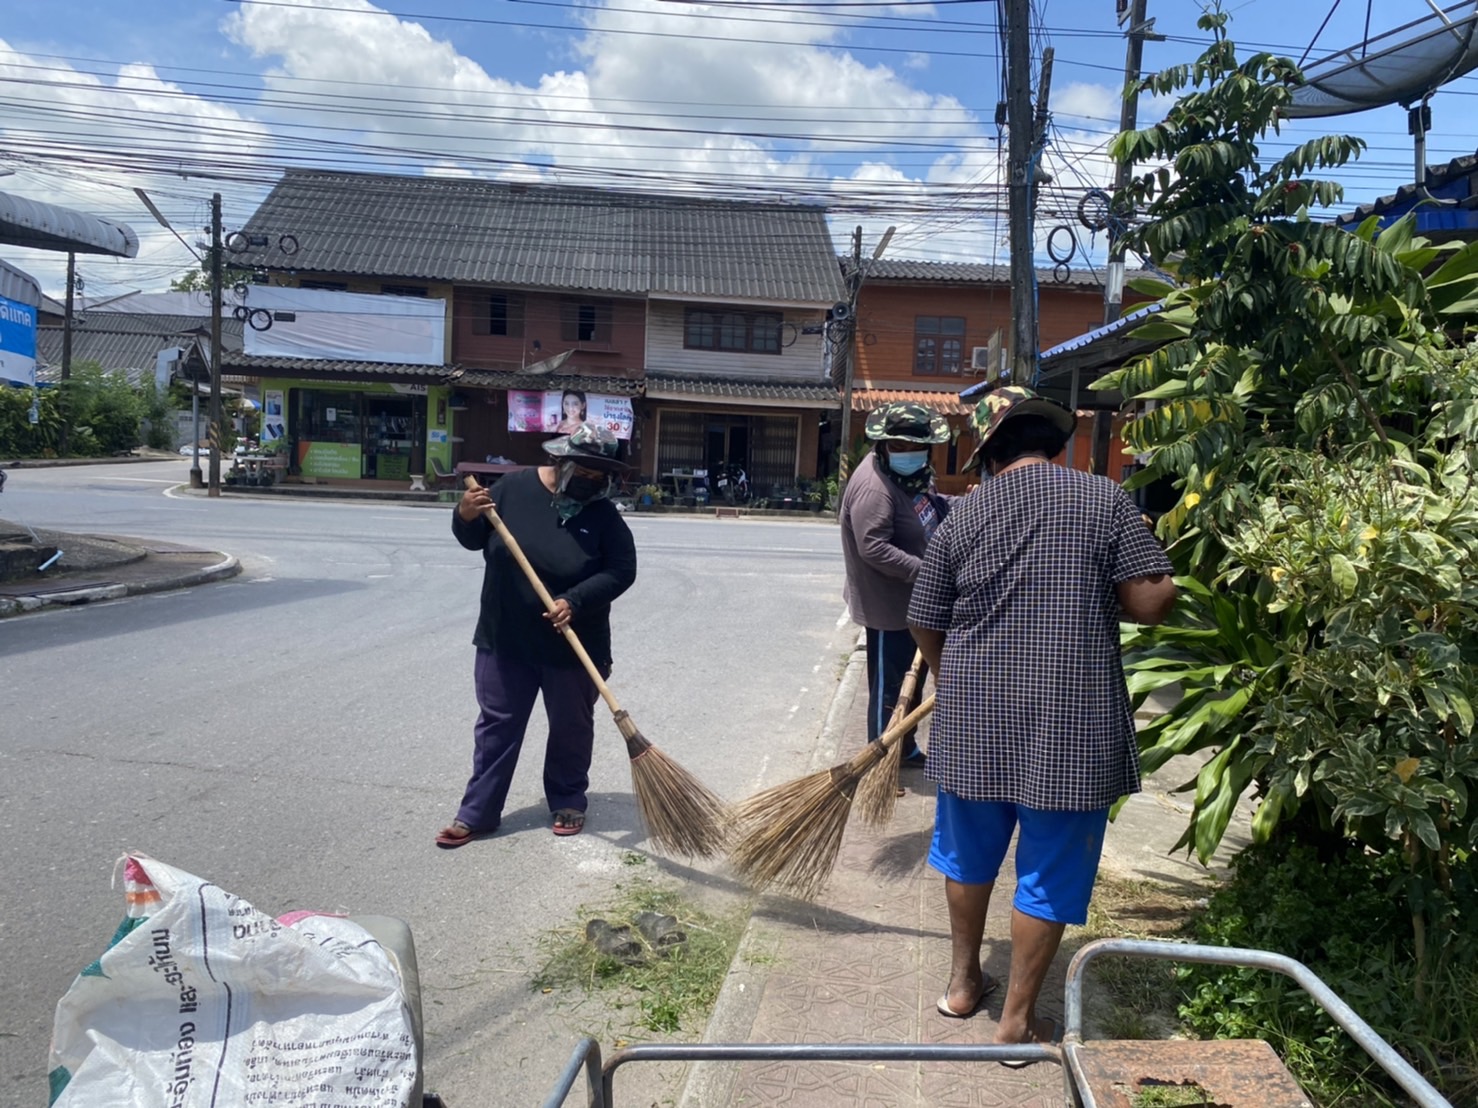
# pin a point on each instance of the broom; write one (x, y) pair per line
(679, 811)
(877, 793)
(793, 831)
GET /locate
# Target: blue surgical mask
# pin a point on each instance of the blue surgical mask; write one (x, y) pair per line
(906, 465)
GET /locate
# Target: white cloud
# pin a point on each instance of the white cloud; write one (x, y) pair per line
(74, 139)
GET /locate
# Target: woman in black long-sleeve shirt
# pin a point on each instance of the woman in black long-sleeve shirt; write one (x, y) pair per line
(583, 551)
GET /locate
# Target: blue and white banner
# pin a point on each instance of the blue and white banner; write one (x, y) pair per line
(17, 343)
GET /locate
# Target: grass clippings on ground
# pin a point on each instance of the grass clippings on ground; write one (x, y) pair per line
(1136, 998)
(671, 988)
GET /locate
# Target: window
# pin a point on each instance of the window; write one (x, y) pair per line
(404, 290)
(505, 315)
(585, 321)
(325, 286)
(734, 332)
(939, 343)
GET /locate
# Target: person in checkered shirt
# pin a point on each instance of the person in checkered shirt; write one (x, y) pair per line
(1016, 609)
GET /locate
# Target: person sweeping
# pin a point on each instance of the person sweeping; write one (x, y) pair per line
(584, 553)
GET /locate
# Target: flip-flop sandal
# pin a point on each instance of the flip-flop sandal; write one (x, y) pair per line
(1054, 1035)
(942, 1004)
(568, 821)
(457, 834)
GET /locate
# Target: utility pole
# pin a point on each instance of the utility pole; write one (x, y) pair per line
(854, 292)
(215, 345)
(1021, 152)
(849, 354)
(65, 433)
(1139, 30)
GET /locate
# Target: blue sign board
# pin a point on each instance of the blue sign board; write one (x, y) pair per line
(17, 343)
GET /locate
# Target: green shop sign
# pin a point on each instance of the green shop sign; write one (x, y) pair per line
(330, 459)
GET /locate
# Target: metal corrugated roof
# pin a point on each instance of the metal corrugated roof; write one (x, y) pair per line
(795, 392)
(256, 365)
(945, 403)
(20, 286)
(545, 382)
(25, 222)
(544, 237)
(1448, 182)
(963, 273)
(120, 341)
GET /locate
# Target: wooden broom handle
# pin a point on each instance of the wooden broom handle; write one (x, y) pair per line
(907, 688)
(491, 513)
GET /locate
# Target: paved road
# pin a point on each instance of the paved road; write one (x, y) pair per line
(298, 734)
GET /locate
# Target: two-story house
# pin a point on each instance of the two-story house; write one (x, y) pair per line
(688, 325)
(924, 331)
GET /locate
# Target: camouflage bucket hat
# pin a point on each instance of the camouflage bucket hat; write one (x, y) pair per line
(999, 405)
(589, 444)
(902, 422)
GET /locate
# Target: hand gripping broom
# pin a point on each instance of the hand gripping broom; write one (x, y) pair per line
(679, 811)
(792, 832)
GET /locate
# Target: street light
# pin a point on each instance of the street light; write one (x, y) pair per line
(854, 290)
(197, 479)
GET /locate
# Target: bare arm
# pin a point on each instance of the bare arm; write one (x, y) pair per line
(1147, 600)
(931, 646)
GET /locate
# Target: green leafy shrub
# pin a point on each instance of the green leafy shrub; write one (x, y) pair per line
(1339, 914)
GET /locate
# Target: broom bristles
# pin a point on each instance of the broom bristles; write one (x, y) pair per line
(793, 833)
(681, 814)
(877, 794)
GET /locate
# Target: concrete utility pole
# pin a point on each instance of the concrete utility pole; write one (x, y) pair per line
(854, 291)
(849, 353)
(215, 345)
(1021, 152)
(1139, 30)
(65, 434)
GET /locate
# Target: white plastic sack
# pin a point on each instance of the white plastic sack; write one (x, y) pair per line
(201, 1000)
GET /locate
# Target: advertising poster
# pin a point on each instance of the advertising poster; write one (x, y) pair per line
(561, 412)
(274, 424)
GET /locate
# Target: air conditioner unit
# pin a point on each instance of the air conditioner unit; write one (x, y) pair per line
(989, 361)
(980, 359)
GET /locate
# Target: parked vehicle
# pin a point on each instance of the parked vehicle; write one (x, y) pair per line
(731, 483)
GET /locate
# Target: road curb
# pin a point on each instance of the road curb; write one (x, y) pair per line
(738, 1003)
(228, 567)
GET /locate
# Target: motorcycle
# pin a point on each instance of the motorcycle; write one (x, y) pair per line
(732, 483)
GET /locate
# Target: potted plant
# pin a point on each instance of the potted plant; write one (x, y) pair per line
(648, 496)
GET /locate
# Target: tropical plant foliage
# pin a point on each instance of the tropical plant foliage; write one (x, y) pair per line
(1324, 433)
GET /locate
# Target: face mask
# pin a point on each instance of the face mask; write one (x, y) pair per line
(906, 465)
(578, 487)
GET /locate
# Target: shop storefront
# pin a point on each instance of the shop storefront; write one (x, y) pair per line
(770, 430)
(355, 430)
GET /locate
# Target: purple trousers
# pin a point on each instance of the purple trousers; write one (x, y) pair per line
(506, 689)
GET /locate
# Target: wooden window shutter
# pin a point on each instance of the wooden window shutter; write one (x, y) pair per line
(482, 313)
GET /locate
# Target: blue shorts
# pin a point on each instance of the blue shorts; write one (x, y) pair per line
(1056, 854)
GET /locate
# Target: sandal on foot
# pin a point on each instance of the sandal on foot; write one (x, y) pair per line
(1053, 1036)
(455, 834)
(569, 821)
(987, 987)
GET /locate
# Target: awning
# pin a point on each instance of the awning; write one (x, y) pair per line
(766, 392)
(945, 403)
(47, 227)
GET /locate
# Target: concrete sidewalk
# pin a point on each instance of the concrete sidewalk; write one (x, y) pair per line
(868, 960)
(102, 567)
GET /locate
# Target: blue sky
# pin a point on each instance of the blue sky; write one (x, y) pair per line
(884, 111)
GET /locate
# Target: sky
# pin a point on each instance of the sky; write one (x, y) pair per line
(883, 110)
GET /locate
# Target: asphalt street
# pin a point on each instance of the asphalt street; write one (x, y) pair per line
(298, 734)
